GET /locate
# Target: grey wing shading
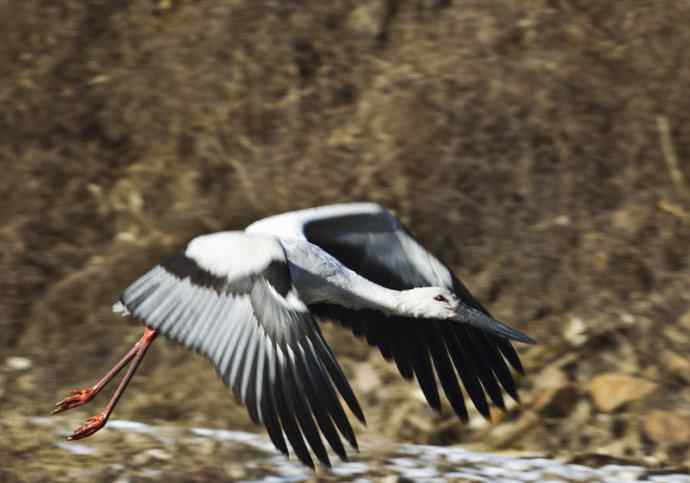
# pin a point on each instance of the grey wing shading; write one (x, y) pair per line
(373, 243)
(263, 342)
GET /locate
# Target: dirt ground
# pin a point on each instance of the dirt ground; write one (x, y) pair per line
(540, 147)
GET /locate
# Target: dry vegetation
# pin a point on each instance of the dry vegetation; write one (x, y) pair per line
(541, 147)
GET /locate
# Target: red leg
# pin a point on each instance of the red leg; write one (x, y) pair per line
(79, 397)
(136, 354)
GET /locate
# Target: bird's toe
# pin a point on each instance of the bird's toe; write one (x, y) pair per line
(76, 398)
(91, 425)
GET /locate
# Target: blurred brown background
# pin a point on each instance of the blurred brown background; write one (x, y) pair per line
(541, 147)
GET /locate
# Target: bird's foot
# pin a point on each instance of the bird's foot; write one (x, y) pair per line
(76, 398)
(91, 425)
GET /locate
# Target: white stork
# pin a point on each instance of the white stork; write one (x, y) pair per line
(248, 302)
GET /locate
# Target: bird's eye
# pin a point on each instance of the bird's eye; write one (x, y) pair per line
(440, 298)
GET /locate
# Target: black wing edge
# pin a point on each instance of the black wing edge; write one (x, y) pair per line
(300, 398)
(431, 349)
(289, 381)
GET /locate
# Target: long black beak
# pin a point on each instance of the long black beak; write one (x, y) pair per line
(477, 318)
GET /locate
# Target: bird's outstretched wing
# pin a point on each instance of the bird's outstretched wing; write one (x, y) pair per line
(229, 296)
(372, 242)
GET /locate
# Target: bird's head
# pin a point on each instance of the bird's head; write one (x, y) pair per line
(441, 303)
(431, 302)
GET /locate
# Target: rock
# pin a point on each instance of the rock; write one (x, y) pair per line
(575, 331)
(676, 333)
(554, 394)
(159, 454)
(685, 320)
(421, 423)
(551, 377)
(507, 435)
(612, 390)
(366, 19)
(667, 427)
(630, 219)
(16, 363)
(556, 402)
(367, 378)
(153, 454)
(677, 365)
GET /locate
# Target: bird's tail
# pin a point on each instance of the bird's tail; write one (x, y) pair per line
(119, 308)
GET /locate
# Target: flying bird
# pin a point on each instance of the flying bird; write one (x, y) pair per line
(250, 300)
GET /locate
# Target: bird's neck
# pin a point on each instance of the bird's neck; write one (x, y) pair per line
(409, 304)
(357, 292)
(321, 278)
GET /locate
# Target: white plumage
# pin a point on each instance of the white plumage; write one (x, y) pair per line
(214, 253)
(248, 301)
